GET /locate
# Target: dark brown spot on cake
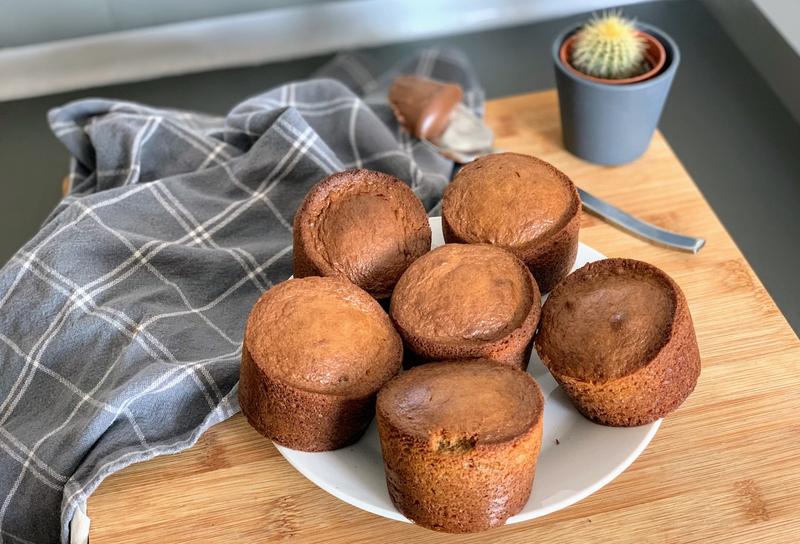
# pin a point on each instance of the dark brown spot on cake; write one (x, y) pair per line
(443, 442)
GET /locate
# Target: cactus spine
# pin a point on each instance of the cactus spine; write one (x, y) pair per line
(609, 47)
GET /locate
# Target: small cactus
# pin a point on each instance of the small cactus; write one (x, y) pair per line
(609, 47)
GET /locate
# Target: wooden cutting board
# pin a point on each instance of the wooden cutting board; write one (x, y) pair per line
(724, 468)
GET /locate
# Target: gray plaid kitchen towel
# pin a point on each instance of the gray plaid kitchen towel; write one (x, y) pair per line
(121, 321)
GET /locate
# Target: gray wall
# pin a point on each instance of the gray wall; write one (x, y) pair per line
(768, 33)
(785, 17)
(24, 22)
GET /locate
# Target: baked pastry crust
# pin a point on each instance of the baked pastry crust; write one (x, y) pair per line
(466, 301)
(361, 225)
(617, 335)
(520, 203)
(316, 351)
(460, 441)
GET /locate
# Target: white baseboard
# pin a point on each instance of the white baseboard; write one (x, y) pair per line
(256, 38)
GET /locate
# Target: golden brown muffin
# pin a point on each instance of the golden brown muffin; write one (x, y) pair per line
(316, 352)
(519, 203)
(460, 440)
(466, 301)
(360, 225)
(617, 335)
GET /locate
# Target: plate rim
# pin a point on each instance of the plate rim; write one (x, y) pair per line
(516, 518)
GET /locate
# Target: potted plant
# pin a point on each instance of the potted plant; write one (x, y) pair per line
(613, 76)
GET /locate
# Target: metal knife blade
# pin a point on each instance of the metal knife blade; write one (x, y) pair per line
(638, 227)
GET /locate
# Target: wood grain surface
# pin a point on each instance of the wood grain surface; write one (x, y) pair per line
(724, 468)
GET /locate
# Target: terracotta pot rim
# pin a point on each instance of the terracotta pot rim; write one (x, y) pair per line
(658, 63)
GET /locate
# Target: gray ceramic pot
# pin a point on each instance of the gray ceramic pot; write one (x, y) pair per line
(612, 124)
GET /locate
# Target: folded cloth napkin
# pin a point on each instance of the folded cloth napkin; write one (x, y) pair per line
(121, 321)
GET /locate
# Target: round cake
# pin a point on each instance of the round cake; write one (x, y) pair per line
(460, 440)
(316, 352)
(360, 225)
(464, 301)
(617, 335)
(520, 203)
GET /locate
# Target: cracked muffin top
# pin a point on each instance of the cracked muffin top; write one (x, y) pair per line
(361, 225)
(464, 293)
(458, 405)
(510, 200)
(607, 319)
(323, 335)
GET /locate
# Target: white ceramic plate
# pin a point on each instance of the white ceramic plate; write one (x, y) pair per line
(578, 457)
